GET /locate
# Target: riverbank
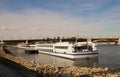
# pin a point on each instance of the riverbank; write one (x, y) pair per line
(47, 70)
(10, 68)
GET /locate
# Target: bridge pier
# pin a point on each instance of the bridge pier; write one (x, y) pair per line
(1, 42)
(118, 42)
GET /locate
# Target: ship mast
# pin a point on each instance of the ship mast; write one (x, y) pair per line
(88, 39)
(76, 39)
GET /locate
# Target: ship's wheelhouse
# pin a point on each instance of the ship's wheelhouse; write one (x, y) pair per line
(83, 47)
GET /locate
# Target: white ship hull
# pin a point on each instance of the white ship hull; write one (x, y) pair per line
(67, 50)
(72, 56)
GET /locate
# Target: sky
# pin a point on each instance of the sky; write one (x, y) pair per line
(21, 19)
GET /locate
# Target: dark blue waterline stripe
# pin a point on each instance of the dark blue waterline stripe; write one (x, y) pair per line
(74, 54)
(70, 58)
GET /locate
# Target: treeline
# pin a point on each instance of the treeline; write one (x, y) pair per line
(63, 39)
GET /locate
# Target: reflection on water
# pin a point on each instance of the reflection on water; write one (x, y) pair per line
(109, 56)
(61, 62)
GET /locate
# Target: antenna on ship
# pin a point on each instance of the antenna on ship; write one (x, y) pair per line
(76, 39)
(60, 40)
(88, 39)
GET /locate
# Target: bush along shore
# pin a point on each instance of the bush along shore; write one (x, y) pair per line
(48, 70)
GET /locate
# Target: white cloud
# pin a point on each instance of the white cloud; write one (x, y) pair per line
(82, 5)
(7, 28)
(33, 22)
(41, 22)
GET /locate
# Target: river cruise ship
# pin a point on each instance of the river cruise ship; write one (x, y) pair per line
(68, 50)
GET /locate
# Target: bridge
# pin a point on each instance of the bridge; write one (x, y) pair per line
(116, 41)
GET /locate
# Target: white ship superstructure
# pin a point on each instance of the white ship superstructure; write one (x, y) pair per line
(68, 50)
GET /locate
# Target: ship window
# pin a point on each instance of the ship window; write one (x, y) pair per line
(81, 48)
(45, 45)
(61, 47)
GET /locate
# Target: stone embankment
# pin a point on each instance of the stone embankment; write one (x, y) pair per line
(48, 70)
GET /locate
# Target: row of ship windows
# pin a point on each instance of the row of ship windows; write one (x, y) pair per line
(50, 50)
(57, 47)
(61, 47)
(45, 45)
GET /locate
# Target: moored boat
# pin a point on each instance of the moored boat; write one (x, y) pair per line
(31, 49)
(69, 50)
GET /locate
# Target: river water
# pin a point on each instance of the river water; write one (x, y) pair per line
(109, 56)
